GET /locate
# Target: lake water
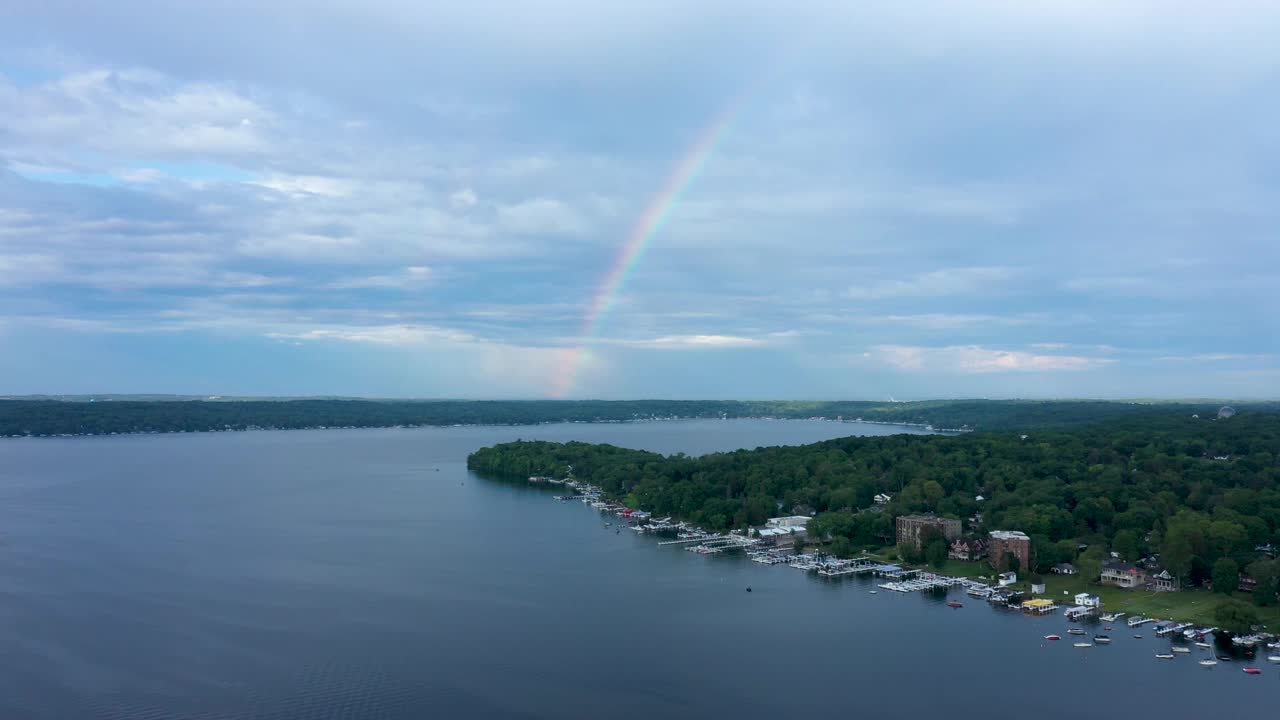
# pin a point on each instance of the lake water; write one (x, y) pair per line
(367, 574)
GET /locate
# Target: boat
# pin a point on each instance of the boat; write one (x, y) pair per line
(1052, 637)
(1102, 639)
(1075, 631)
(1252, 671)
(1209, 662)
(1273, 658)
(1181, 650)
(1224, 658)
(1084, 644)
(873, 592)
(1137, 637)
(1164, 656)
(1107, 628)
(1109, 617)
(954, 604)
(1204, 645)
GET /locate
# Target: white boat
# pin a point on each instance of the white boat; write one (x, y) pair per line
(873, 592)
(1181, 650)
(1084, 644)
(1208, 663)
(1204, 645)
(1273, 658)
(1164, 656)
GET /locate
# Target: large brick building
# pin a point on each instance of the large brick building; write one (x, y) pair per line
(1002, 543)
(911, 528)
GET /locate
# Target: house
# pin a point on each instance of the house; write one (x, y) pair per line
(912, 527)
(1064, 569)
(967, 549)
(1006, 579)
(1037, 588)
(883, 498)
(1005, 544)
(1087, 600)
(1123, 574)
(1247, 584)
(1161, 580)
(1267, 549)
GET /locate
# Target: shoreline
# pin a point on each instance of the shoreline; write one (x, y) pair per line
(818, 559)
(927, 429)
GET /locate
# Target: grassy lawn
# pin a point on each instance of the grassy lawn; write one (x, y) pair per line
(1195, 606)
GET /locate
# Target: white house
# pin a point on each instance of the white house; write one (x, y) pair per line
(1008, 578)
(1089, 601)
(882, 499)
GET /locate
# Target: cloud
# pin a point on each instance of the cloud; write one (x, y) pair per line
(976, 359)
(936, 283)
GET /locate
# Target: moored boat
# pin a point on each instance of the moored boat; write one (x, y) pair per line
(1084, 644)
(1075, 631)
(1273, 658)
(1102, 639)
(1164, 656)
(1252, 671)
(1204, 645)
(1052, 637)
(1180, 650)
(954, 604)
(1208, 663)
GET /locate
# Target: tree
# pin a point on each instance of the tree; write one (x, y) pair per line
(933, 493)
(936, 552)
(1235, 617)
(1267, 575)
(1126, 543)
(1226, 576)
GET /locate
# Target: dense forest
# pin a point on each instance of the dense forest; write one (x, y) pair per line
(1201, 492)
(43, 417)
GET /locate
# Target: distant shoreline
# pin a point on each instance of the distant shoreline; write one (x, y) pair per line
(210, 431)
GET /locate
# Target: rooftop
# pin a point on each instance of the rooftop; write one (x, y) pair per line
(1009, 535)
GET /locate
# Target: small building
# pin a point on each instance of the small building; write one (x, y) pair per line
(1123, 574)
(1039, 606)
(1247, 584)
(1005, 579)
(1267, 549)
(1037, 588)
(1161, 580)
(883, 498)
(793, 523)
(1064, 569)
(1004, 544)
(967, 549)
(1087, 600)
(1226, 412)
(1078, 612)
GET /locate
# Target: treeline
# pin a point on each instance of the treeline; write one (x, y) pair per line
(54, 417)
(1203, 493)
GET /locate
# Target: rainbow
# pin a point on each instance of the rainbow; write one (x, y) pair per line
(638, 240)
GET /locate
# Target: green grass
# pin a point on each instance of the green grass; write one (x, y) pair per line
(1195, 606)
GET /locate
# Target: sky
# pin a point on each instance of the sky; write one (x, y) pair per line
(667, 199)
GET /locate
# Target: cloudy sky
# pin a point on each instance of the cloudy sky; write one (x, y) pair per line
(420, 198)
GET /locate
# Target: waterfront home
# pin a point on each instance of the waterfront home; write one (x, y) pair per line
(1087, 600)
(1005, 579)
(1123, 574)
(882, 498)
(1064, 569)
(967, 549)
(1161, 580)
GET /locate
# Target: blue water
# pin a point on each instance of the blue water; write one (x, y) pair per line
(367, 574)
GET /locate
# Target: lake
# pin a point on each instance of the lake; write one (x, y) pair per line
(366, 574)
